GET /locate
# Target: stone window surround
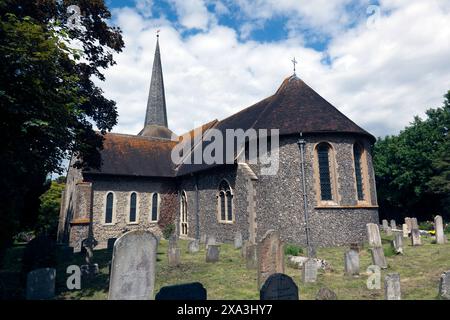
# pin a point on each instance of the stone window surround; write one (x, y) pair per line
(129, 207)
(114, 216)
(187, 219)
(333, 177)
(219, 216)
(364, 174)
(158, 207)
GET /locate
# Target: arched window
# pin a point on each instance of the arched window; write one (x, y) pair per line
(225, 202)
(133, 207)
(155, 208)
(357, 154)
(183, 215)
(109, 207)
(323, 156)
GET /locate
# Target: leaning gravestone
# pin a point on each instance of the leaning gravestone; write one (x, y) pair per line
(405, 230)
(397, 243)
(238, 240)
(309, 271)
(373, 234)
(393, 224)
(133, 266)
(351, 263)
(270, 256)
(415, 237)
(188, 291)
(41, 284)
(439, 228)
(279, 287)
(326, 294)
(212, 253)
(392, 287)
(444, 286)
(384, 224)
(194, 246)
(378, 257)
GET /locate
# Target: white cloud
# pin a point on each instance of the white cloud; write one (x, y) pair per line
(380, 77)
(144, 7)
(192, 14)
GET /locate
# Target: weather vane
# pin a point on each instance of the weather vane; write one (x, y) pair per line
(294, 62)
(157, 32)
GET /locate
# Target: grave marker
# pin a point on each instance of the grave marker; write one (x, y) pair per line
(212, 253)
(444, 286)
(41, 284)
(309, 271)
(392, 287)
(194, 246)
(373, 234)
(279, 287)
(270, 256)
(351, 263)
(188, 291)
(415, 237)
(238, 240)
(439, 228)
(378, 257)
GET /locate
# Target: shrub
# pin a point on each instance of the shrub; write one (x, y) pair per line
(426, 225)
(389, 251)
(24, 236)
(292, 250)
(447, 228)
(168, 230)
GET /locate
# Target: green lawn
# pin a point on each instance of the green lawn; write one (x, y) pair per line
(419, 268)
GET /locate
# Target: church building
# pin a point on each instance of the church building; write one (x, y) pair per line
(324, 186)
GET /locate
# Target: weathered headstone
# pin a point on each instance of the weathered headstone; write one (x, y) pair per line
(212, 253)
(309, 271)
(378, 257)
(373, 235)
(384, 224)
(133, 266)
(279, 287)
(414, 224)
(415, 237)
(408, 222)
(188, 291)
(193, 246)
(210, 240)
(270, 256)
(41, 284)
(397, 243)
(405, 230)
(392, 287)
(439, 229)
(393, 224)
(444, 286)
(251, 255)
(238, 240)
(326, 294)
(174, 256)
(351, 263)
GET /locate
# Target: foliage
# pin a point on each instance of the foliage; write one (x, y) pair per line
(47, 221)
(447, 228)
(292, 250)
(413, 169)
(426, 225)
(24, 236)
(39, 253)
(168, 230)
(49, 102)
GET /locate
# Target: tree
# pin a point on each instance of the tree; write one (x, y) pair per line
(47, 220)
(48, 100)
(412, 168)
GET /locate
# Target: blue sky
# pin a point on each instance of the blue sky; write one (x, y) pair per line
(379, 62)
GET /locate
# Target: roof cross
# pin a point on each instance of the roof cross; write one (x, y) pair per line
(294, 62)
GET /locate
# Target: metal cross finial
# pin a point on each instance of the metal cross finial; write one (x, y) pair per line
(294, 62)
(157, 33)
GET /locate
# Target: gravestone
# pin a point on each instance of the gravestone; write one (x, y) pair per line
(378, 257)
(326, 294)
(373, 235)
(414, 224)
(444, 286)
(279, 287)
(392, 287)
(415, 237)
(408, 222)
(210, 240)
(397, 243)
(212, 253)
(384, 224)
(309, 271)
(41, 284)
(393, 224)
(251, 255)
(203, 239)
(351, 263)
(110, 245)
(439, 228)
(188, 291)
(405, 230)
(193, 246)
(388, 231)
(133, 266)
(174, 256)
(270, 256)
(356, 246)
(238, 240)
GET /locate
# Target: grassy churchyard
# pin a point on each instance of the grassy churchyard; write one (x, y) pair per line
(419, 269)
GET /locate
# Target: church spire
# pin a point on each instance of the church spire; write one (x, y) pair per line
(156, 115)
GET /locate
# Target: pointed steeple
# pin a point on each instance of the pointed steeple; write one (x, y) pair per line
(156, 115)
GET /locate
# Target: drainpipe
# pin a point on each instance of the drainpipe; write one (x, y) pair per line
(197, 209)
(301, 143)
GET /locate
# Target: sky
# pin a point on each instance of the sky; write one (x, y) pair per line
(379, 62)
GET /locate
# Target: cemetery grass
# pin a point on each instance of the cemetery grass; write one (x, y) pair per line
(419, 268)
